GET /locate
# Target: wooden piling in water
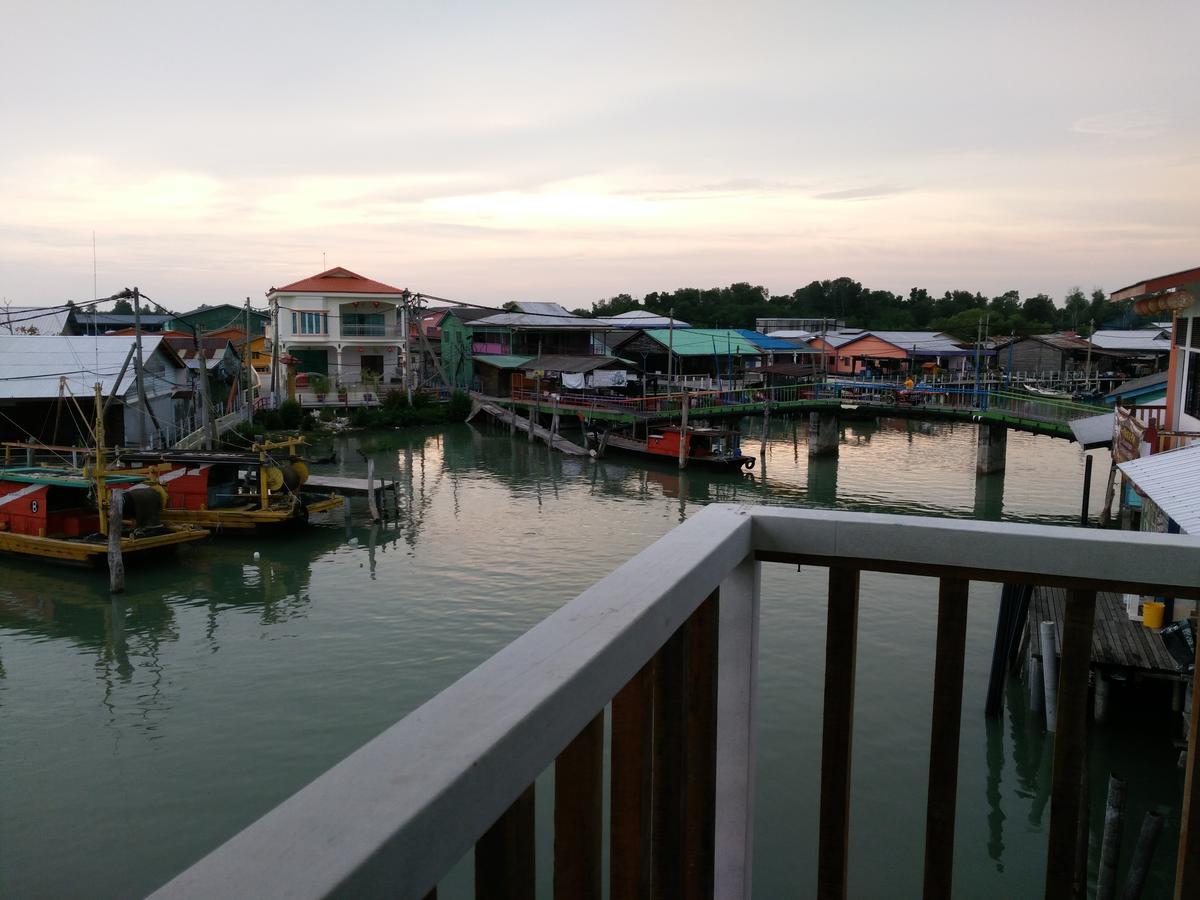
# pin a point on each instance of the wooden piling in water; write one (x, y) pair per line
(1049, 673)
(766, 424)
(1110, 842)
(683, 424)
(116, 564)
(372, 503)
(1143, 853)
(1087, 490)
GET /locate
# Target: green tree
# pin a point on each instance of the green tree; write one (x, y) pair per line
(1076, 309)
(123, 308)
(1040, 308)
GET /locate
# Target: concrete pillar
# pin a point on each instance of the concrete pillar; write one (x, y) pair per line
(822, 434)
(993, 443)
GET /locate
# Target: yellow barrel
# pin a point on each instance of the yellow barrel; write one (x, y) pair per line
(1152, 614)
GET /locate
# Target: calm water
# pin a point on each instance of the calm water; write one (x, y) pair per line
(136, 735)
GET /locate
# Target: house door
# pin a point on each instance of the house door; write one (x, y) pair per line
(372, 364)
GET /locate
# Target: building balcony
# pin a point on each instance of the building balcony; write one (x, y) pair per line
(667, 646)
(391, 332)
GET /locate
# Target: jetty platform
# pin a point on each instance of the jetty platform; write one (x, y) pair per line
(1118, 642)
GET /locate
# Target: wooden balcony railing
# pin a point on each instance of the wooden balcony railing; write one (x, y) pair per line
(669, 641)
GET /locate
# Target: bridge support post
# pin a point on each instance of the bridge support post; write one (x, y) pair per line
(822, 434)
(992, 448)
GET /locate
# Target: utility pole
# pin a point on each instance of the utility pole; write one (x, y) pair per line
(670, 347)
(978, 342)
(249, 398)
(275, 351)
(1087, 374)
(137, 360)
(404, 301)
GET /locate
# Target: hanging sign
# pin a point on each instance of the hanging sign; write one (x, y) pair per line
(1127, 435)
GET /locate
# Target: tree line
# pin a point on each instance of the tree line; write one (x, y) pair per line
(955, 312)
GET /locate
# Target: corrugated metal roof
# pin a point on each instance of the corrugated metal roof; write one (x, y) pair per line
(540, 308)
(1135, 386)
(703, 341)
(19, 319)
(561, 363)
(31, 365)
(644, 318)
(1172, 481)
(770, 341)
(1094, 431)
(1148, 341)
(534, 320)
(501, 360)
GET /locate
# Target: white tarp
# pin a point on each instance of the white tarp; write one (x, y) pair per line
(573, 380)
(609, 378)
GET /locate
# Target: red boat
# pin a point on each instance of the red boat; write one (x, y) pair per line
(714, 448)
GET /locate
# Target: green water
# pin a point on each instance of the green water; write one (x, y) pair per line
(136, 735)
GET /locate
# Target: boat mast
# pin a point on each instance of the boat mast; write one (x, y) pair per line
(101, 485)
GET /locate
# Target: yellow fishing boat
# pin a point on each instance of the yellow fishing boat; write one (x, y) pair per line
(62, 514)
(232, 490)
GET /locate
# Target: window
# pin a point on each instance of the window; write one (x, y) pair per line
(310, 323)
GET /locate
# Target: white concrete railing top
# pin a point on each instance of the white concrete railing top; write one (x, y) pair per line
(393, 817)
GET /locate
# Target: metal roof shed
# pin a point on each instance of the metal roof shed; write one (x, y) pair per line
(1172, 481)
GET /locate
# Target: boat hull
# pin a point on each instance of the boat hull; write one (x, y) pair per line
(84, 552)
(251, 518)
(716, 463)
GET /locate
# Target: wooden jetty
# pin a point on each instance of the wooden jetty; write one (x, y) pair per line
(368, 487)
(551, 438)
(1118, 642)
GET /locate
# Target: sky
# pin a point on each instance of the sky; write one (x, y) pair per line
(556, 151)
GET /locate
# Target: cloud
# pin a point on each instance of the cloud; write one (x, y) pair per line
(1133, 124)
(862, 193)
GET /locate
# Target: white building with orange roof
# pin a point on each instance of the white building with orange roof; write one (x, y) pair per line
(341, 325)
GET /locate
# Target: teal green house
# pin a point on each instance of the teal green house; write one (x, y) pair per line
(219, 317)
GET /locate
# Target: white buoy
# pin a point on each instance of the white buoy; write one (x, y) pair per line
(353, 541)
(256, 554)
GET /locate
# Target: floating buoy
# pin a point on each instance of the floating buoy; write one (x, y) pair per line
(256, 554)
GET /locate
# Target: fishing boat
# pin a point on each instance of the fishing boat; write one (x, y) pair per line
(234, 490)
(713, 448)
(1046, 392)
(63, 513)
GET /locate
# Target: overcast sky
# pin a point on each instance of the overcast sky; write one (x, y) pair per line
(561, 151)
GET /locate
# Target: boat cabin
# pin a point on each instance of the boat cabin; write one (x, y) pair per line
(699, 442)
(42, 502)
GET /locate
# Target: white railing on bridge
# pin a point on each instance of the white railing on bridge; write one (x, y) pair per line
(669, 641)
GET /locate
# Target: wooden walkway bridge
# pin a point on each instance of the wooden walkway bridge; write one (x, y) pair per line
(850, 399)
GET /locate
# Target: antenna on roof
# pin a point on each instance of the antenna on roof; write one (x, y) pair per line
(322, 260)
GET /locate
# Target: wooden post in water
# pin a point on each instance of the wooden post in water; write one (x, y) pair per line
(116, 565)
(346, 513)
(372, 505)
(762, 450)
(1049, 673)
(1143, 853)
(1109, 490)
(683, 424)
(1087, 490)
(537, 405)
(1110, 842)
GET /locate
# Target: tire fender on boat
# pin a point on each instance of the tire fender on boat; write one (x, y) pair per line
(749, 463)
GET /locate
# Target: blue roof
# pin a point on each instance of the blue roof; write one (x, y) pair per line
(766, 342)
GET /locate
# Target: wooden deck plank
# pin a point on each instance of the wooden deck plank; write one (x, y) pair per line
(1117, 641)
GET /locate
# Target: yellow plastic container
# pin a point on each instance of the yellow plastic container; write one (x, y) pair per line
(1152, 614)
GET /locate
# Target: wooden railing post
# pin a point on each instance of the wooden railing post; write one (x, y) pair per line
(1070, 741)
(670, 761)
(701, 787)
(836, 731)
(630, 851)
(578, 814)
(1187, 863)
(943, 744)
(737, 689)
(504, 856)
